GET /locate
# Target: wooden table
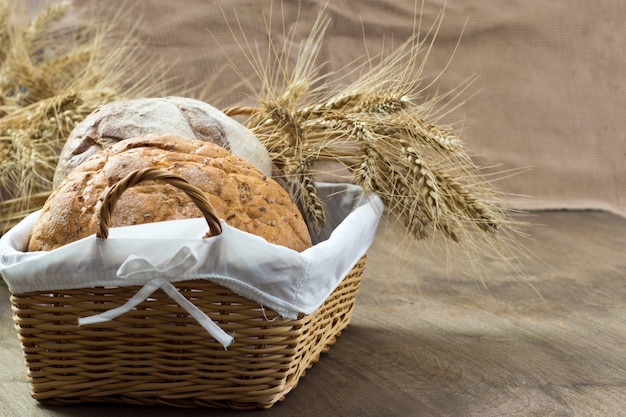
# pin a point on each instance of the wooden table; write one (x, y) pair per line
(428, 342)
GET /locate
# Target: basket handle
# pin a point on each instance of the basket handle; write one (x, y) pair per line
(112, 194)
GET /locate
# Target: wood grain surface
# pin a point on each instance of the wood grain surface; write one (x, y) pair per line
(425, 341)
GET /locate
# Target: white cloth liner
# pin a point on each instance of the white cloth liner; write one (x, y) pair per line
(156, 254)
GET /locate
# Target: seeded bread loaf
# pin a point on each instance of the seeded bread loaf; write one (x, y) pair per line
(241, 194)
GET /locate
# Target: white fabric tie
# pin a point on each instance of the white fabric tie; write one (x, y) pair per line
(140, 268)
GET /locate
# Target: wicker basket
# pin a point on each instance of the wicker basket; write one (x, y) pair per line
(158, 354)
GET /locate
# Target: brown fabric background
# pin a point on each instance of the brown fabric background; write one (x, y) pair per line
(550, 92)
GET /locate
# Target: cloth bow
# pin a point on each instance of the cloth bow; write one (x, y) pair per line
(158, 277)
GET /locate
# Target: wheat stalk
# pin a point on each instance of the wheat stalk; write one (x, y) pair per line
(383, 132)
(53, 73)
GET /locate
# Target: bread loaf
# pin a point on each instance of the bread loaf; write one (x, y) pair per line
(125, 119)
(241, 194)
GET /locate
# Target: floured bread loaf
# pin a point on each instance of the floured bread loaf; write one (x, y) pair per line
(190, 118)
(241, 194)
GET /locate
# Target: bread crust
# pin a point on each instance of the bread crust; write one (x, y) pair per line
(125, 119)
(241, 194)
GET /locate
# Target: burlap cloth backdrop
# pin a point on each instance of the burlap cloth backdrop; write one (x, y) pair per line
(551, 86)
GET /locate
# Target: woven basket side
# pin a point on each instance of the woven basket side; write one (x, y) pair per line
(321, 329)
(157, 354)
